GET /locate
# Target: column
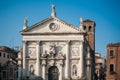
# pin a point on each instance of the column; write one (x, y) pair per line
(38, 58)
(43, 71)
(81, 65)
(24, 58)
(19, 72)
(61, 74)
(67, 61)
(88, 72)
(88, 64)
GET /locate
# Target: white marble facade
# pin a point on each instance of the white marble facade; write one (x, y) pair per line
(55, 48)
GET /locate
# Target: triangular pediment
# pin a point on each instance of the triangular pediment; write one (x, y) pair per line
(51, 25)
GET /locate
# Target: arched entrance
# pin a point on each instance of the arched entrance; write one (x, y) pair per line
(53, 73)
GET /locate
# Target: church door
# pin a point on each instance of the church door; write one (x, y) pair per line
(53, 73)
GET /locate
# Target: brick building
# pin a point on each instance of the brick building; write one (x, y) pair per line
(113, 62)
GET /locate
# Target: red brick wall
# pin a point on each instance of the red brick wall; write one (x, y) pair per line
(90, 36)
(113, 60)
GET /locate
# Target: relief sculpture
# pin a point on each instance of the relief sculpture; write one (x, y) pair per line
(52, 50)
(74, 70)
(75, 51)
(31, 51)
(32, 70)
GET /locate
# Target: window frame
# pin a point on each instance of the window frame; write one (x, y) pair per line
(113, 68)
(4, 55)
(113, 53)
(90, 28)
(0, 54)
(84, 27)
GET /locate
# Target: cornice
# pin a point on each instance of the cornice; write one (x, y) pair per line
(62, 33)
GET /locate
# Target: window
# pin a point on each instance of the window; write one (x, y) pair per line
(8, 56)
(84, 27)
(17, 74)
(0, 54)
(90, 28)
(0, 65)
(4, 74)
(4, 55)
(111, 68)
(111, 53)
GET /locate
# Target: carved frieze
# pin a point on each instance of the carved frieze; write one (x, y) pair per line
(31, 51)
(75, 51)
(52, 50)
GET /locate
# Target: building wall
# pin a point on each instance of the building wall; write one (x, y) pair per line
(89, 27)
(99, 66)
(4, 57)
(115, 60)
(7, 57)
(75, 51)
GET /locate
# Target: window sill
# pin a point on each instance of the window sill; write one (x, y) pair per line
(112, 72)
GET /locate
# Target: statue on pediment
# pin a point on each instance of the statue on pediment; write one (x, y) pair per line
(25, 22)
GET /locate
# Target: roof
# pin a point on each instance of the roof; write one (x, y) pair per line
(87, 20)
(7, 49)
(114, 44)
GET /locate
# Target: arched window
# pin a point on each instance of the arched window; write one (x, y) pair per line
(90, 28)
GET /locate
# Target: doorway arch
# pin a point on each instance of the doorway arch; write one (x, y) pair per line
(53, 73)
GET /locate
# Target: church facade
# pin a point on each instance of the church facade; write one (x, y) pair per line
(56, 50)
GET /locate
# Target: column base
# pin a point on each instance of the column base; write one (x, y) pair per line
(68, 78)
(75, 78)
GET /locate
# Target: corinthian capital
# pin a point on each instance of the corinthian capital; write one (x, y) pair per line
(24, 41)
(38, 42)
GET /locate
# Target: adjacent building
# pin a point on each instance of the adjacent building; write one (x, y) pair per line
(56, 50)
(100, 66)
(113, 62)
(8, 64)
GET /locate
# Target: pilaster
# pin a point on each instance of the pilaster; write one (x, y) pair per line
(43, 70)
(67, 61)
(19, 72)
(88, 63)
(61, 71)
(38, 58)
(81, 65)
(24, 58)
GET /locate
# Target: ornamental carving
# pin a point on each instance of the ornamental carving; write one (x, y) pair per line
(31, 51)
(53, 27)
(74, 70)
(52, 50)
(74, 51)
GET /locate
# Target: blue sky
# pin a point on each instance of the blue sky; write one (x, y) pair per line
(106, 14)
